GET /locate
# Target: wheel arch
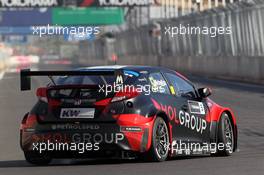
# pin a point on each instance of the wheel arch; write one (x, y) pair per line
(216, 112)
(163, 115)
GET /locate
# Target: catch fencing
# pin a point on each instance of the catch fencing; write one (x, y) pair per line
(246, 21)
(235, 53)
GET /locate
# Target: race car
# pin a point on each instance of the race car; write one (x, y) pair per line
(145, 112)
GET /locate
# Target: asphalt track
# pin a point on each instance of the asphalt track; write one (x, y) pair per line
(246, 100)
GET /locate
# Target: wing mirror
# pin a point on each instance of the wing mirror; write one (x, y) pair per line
(204, 92)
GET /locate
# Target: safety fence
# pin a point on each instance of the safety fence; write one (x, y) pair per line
(226, 42)
(236, 30)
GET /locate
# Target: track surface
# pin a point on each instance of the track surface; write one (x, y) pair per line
(246, 100)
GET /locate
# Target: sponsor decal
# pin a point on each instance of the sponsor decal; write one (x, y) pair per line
(131, 73)
(130, 129)
(196, 107)
(119, 80)
(183, 118)
(170, 111)
(157, 85)
(192, 122)
(172, 90)
(142, 79)
(98, 138)
(79, 137)
(69, 126)
(28, 3)
(126, 2)
(77, 113)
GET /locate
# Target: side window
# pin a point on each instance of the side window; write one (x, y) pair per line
(181, 87)
(158, 83)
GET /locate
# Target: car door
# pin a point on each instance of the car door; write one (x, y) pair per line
(192, 111)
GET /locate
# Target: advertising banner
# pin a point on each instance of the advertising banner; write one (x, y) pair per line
(87, 16)
(30, 3)
(25, 17)
(15, 39)
(77, 3)
(15, 30)
(117, 3)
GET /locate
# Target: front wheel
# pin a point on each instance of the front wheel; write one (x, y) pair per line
(160, 141)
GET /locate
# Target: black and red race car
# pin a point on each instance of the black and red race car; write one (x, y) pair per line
(123, 111)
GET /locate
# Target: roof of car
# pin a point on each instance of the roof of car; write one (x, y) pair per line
(130, 67)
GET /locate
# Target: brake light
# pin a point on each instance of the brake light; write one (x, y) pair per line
(125, 95)
(42, 94)
(28, 121)
(103, 102)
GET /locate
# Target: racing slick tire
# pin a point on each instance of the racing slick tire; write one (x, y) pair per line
(225, 136)
(160, 141)
(37, 159)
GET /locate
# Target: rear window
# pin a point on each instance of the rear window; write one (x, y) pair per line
(73, 93)
(129, 77)
(88, 80)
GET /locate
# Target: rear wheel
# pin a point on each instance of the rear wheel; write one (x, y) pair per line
(37, 159)
(160, 141)
(225, 136)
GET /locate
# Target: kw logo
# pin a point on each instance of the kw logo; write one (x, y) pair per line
(70, 113)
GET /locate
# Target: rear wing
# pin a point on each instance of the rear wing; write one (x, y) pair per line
(26, 74)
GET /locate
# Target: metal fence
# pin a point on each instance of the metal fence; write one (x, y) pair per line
(246, 39)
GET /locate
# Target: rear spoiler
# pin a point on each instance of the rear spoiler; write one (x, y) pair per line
(26, 74)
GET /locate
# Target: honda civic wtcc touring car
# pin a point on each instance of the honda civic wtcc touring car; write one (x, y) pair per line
(123, 111)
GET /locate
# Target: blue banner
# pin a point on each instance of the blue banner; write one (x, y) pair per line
(14, 39)
(15, 31)
(25, 17)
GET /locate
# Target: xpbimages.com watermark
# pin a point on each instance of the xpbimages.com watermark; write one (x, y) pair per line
(181, 147)
(64, 30)
(58, 146)
(119, 86)
(197, 30)
(115, 88)
(80, 142)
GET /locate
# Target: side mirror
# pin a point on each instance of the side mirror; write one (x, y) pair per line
(204, 92)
